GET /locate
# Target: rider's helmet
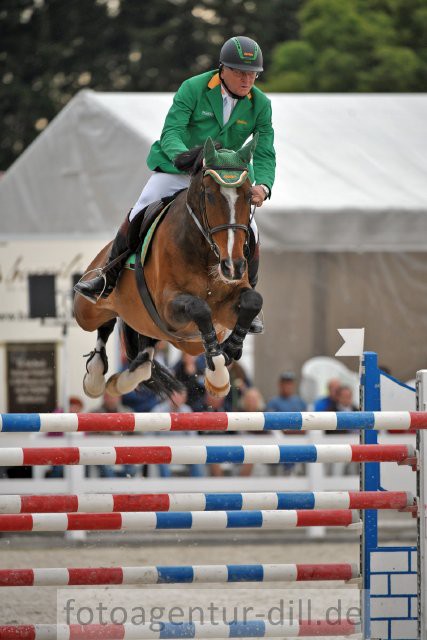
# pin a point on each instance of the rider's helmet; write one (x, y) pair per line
(241, 53)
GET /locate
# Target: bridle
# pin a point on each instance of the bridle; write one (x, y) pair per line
(205, 229)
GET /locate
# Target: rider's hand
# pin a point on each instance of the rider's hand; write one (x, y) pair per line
(258, 195)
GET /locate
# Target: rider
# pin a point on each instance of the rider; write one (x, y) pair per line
(222, 104)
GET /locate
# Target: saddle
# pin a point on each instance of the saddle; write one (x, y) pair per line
(142, 222)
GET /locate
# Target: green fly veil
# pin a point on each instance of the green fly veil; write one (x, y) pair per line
(228, 168)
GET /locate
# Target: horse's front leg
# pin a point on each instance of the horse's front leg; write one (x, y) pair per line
(248, 307)
(187, 308)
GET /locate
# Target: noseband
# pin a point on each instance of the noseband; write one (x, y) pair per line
(204, 228)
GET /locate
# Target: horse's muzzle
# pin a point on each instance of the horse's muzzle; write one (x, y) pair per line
(233, 269)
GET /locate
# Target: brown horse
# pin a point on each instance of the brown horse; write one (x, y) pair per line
(196, 273)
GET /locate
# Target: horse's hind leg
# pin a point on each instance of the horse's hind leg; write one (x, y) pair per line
(187, 308)
(97, 362)
(140, 369)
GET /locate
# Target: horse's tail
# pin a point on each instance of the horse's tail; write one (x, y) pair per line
(162, 382)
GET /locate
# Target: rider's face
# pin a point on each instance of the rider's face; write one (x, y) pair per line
(239, 82)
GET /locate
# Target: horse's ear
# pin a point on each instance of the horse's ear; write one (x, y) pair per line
(209, 152)
(247, 151)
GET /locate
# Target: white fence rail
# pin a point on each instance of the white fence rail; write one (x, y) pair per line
(310, 477)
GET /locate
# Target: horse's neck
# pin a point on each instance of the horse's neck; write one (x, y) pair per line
(187, 237)
(193, 194)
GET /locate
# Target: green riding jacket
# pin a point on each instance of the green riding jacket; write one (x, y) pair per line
(196, 113)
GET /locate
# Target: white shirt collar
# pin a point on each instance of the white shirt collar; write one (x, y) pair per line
(228, 104)
(226, 96)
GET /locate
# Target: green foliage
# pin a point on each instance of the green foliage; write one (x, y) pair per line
(296, 55)
(50, 49)
(336, 73)
(354, 45)
(395, 67)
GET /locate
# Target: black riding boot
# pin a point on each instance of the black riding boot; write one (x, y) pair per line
(257, 325)
(104, 282)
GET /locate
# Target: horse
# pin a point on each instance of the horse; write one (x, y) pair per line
(197, 277)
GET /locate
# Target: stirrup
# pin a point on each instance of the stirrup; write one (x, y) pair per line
(99, 272)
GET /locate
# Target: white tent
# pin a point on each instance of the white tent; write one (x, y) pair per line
(351, 171)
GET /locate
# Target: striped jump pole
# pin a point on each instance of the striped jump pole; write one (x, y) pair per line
(198, 454)
(110, 503)
(239, 421)
(192, 520)
(220, 573)
(166, 630)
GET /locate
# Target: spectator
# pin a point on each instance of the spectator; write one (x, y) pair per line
(252, 401)
(140, 400)
(345, 399)
(344, 403)
(190, 374)
(113, 404)
(177, 404)
(214, 404)
(329, 402)
(75, 404)
(239, 382)
(287, 399)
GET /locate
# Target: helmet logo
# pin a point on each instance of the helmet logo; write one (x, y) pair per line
(249, 55)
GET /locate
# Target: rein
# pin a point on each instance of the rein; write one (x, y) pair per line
(204, 228)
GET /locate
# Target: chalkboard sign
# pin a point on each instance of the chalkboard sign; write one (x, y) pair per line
(31, 377)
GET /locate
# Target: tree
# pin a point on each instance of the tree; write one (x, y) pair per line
(357, 45)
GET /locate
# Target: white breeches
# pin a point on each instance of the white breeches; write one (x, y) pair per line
(161, 185)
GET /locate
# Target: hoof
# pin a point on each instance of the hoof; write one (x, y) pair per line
(127, 381)
(93, 390)
(217, 382)
(219, 392)
(111, 386)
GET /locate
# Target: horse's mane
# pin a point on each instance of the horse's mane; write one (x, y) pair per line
(192, 160)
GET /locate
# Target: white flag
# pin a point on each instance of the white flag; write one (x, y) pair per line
(353, 342)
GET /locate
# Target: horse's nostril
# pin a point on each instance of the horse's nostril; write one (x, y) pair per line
(227, 267)
(239, 267)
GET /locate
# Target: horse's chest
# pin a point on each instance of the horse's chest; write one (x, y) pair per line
(223, 310)
(219, 299)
